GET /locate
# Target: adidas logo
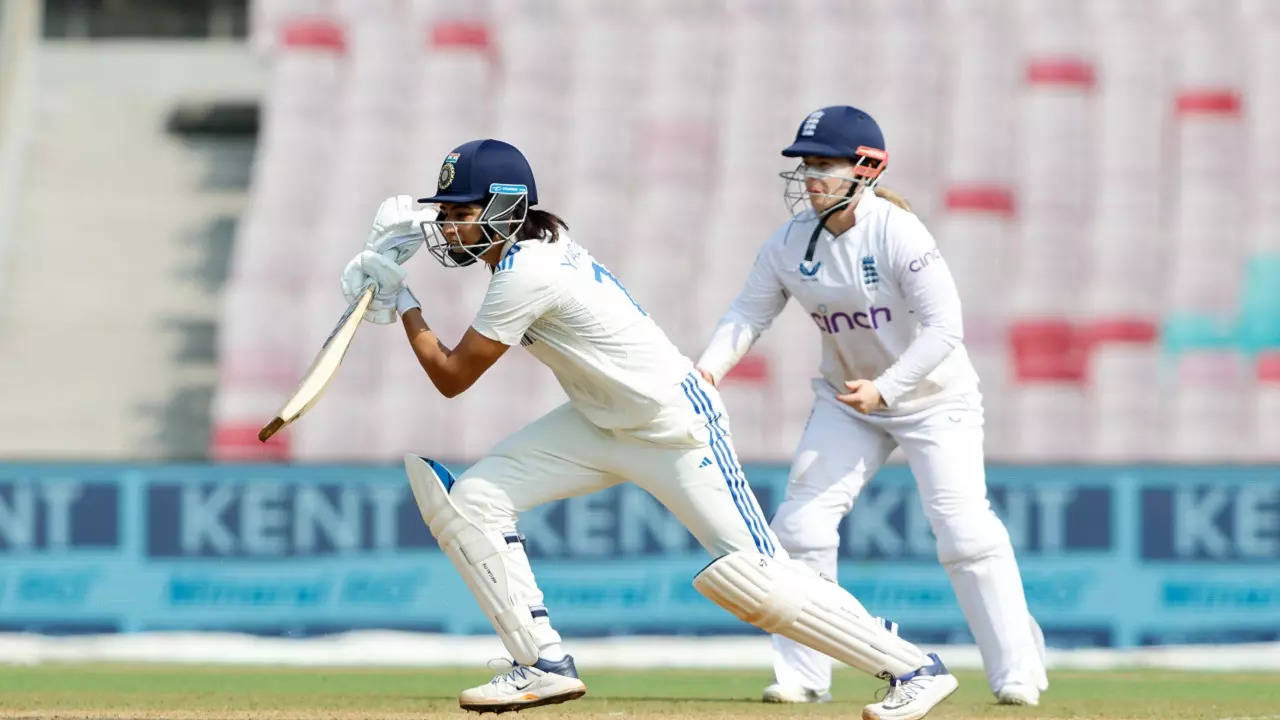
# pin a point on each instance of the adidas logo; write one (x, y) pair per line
(705, 462)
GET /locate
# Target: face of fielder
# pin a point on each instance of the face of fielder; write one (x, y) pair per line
(826, 180)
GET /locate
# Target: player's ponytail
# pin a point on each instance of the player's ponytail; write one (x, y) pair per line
(893, 197)
(541, 225)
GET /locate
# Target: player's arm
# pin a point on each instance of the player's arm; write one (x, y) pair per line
(513, 302)
(751, 313)
(451, 370)
(926, 283)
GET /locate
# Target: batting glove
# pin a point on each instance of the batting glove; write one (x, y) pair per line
(397, 231)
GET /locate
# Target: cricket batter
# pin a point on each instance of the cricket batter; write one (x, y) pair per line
(637, 412)
(894, 373)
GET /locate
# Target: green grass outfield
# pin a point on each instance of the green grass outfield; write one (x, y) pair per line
(241, 692)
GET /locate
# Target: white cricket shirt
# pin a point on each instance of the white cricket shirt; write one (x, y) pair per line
(615, 364)
(880, 297)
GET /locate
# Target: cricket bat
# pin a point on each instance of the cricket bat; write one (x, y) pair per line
(323, 368)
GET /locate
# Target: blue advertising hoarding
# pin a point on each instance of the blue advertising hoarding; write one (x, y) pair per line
(1111, 556)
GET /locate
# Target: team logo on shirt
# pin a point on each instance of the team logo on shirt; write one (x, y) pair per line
(870, 276)
(809, 270)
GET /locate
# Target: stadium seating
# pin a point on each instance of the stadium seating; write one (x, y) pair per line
(1112, 219)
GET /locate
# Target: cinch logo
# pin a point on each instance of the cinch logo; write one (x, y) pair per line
(923, 261)
(870, 320)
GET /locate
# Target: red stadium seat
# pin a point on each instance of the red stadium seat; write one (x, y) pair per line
(461, 34)
(1060, 71)
(1046, 350)
(1124, 406)
(316, 34)
(1127, 330)
(977, 197)
(238, 442)
(1208, 101)
(1269, 368)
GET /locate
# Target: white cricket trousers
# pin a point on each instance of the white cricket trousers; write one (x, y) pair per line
(560, 455)
(838, 454)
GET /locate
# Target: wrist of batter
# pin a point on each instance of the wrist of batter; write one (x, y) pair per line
(406, 301)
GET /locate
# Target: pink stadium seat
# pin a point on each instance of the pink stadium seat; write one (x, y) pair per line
(1123, 408)
(1105, 160)
(991, 361)
(1207, 401)
(238, 442)
(1266, 443)
(751, 398)
(254, 348)
(976, 236)
(1048, 397)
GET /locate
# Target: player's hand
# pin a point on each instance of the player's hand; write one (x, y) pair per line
(397, 231)
(387, 277)
(707, 376)
(863, 396)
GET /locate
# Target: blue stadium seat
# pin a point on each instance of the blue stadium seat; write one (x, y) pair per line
(1260, 304)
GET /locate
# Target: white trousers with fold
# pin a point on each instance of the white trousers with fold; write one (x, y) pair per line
(839, 453)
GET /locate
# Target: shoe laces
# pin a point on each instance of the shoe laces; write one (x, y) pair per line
(514, 670)
(901, 693)
(882, 693)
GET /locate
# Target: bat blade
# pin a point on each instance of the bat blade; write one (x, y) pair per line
(323, 369)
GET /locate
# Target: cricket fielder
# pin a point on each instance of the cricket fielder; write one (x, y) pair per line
(894, 373)
(637, 412)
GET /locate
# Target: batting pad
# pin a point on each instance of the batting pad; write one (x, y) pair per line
(789, 599)
(477, 558)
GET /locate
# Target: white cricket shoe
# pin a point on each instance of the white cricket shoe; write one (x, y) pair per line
(525, 686)
(1018, 694)
(779, 693)
(913, 695)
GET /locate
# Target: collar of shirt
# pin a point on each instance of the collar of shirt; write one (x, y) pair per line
(861, 211)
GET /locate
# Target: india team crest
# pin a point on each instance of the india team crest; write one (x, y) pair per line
(447, 170)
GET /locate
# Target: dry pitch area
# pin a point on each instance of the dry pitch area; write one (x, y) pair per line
(185, 691)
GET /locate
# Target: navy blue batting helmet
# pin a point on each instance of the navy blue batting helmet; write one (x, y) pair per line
(837, 131)
(477, 169)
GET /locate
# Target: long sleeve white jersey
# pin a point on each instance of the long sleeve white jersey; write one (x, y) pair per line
(879, 295)
(615, 364)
